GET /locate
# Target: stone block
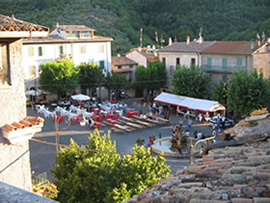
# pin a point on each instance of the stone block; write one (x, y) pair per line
(241, 200)
(261, 199)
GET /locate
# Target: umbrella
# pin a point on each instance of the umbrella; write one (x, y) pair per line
(80, 97)
(33, 93)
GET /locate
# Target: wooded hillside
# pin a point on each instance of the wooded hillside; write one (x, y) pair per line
(122, 19)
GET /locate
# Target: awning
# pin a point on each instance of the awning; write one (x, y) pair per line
(189, 102)
(80, 97)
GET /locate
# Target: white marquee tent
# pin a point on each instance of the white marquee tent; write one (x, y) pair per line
(189, 102)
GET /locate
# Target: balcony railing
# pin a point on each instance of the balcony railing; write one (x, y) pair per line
(221, 69)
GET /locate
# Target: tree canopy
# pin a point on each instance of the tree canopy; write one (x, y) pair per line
(116, 81)
(151, 78)
(90, 76)
(95, 176)
(58, 77)
(191, 82)
(247, 92)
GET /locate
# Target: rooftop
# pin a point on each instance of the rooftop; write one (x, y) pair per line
(122, 61)
(229, 47)
(193, 46)
(10, 27)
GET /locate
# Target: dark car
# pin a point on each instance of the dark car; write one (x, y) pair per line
(228, 122)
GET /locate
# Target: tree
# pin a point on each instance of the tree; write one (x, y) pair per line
(90, 76)
(151, 78)
(191, 82)
(220, 91)
(116, 81)
(94, 176)
(246, 92)
(58, 77)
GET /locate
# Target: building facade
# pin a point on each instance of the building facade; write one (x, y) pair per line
(75, 42)
(223, 58)
(14, 150)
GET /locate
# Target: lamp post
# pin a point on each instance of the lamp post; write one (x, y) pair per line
(82, 122)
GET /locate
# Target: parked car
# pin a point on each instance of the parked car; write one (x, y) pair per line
(228, 122)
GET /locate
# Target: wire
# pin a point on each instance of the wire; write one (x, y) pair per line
(109, 152)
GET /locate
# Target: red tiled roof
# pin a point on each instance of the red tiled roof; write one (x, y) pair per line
(75, 28)
(12, 24)
(56, 39)
(193, 46)
(230, 47)
(122, 61)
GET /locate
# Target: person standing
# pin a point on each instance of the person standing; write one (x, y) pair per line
(189, 123)
(156, 115)
(181, 122)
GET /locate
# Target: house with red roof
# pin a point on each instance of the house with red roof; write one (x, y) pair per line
(125, 66)
(225, 57)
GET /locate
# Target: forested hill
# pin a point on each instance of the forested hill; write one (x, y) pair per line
(123, 19)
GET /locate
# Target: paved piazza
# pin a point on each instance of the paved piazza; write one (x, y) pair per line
(43, 155)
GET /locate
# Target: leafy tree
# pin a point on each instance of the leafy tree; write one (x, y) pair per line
(116, 81)
(140, 77)
(151, 78)
(220, 91)
(90, 76)
(247, 92)
(191, 82)
(58, 77)
(93, 176)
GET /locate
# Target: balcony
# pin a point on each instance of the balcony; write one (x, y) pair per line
(221, 69)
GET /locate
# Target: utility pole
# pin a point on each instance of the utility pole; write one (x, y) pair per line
(156, 36)
(141, 37)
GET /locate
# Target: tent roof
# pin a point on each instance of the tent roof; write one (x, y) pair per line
(189, 102)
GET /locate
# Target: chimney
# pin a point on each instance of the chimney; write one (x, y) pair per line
(170, 41)
(188, 40)
(57, 25)
(154, 47)
(200, 39)
(139, 48)
(252, 46)
(118, 55)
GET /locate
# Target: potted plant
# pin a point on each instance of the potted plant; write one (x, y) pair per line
(154, 137)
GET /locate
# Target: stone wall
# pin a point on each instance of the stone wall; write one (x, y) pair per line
(15, 165)
(14, 159)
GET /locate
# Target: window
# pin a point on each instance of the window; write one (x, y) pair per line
(209, 62)
(239, 61)
(164, 60)
(62, 50)
(30, 51)
(4, 64)
(72, 34)
(224, 63)
(101, 48)
(85, 34)
(40, 51)
(193, 61)
(32, 71)
(101, 64)
(177, 61)
(83, 49)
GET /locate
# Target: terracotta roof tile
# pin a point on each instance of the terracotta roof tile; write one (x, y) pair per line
(149, 53)
(184, 47)
(230, 47)
(122, 61)
(13, 24)
(75, 28)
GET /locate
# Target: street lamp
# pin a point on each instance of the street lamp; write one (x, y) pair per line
(82, 122)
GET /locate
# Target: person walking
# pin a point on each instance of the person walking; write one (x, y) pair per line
(189, 123)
